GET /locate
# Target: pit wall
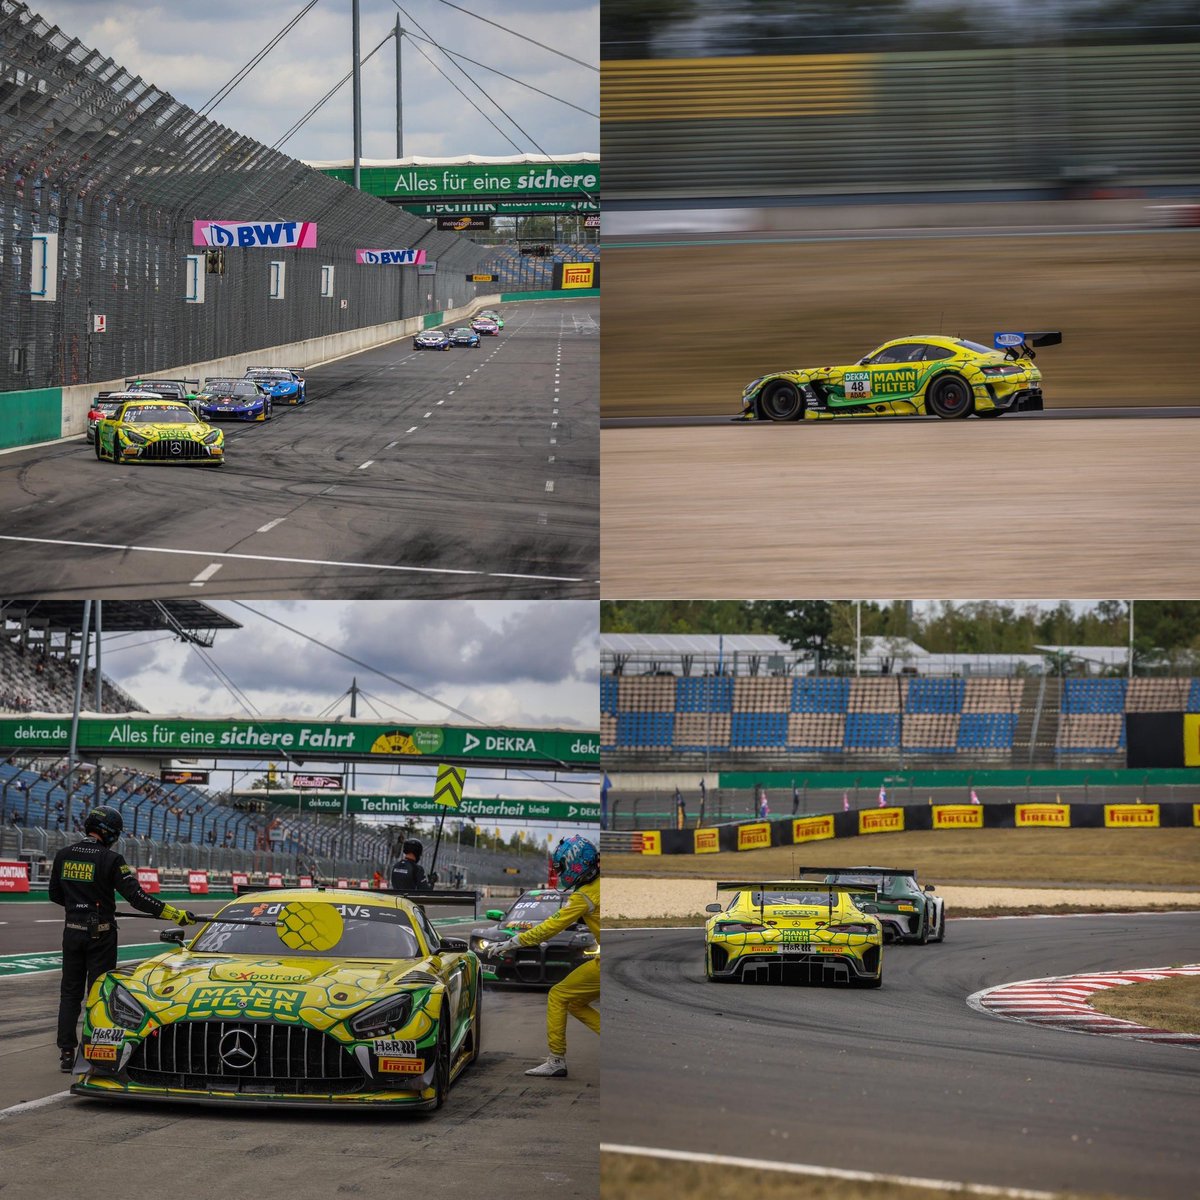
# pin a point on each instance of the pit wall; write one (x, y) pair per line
(761, 835)
(30, 417)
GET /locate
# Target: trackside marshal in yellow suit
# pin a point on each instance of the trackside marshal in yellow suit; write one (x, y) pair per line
(578, 864)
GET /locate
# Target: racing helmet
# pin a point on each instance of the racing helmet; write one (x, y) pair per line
(106, 822)
(412, 846)
(576, 860)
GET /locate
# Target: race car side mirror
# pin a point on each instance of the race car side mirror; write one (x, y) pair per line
(171, 935)
(494, 914)
(712, 908)
(929, 887)
(453, 946)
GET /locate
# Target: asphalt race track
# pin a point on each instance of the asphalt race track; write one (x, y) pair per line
(407, 474)
(906, 1079)
(499, 1133)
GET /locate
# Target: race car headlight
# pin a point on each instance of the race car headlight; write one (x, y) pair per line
(136, 438)
(124, 1009)
(211, 437)
(752, 386)
(482, 943)
(383, 1017)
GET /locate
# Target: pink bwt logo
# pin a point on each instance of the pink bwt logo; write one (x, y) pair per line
(295, 235)
(393, 257)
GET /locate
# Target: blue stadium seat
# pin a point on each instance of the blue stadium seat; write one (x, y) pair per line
(645, 728)
(820, 695)
(1193, 700)
(708, 694)
(758, 729)
(986, 731)
(1093, 695)
(872, 731)
(936, 695)
(609, 688)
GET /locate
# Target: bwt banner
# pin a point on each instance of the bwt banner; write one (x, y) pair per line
(317, 781)
(402, 258)
(298, 235)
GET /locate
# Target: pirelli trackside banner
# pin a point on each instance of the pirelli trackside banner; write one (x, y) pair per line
(794, 831)
(335, 738)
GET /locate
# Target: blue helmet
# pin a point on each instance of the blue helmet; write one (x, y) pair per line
(577, 861)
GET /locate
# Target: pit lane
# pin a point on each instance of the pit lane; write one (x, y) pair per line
(908, 1079)
(499, 1133)
(467, 473)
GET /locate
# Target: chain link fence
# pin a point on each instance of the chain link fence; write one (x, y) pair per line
(115, 170)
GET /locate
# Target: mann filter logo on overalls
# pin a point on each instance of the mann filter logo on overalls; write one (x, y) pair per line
(78, 872)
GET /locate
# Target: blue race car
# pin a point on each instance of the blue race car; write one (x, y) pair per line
(283, 385)
(234, 399)
(462, 336)
(431, 339)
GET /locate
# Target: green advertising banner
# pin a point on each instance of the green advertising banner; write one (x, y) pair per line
(533, 181)
(325, 740)
(489, 807)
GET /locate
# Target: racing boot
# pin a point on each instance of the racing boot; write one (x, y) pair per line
(555, 1067)
(66, 1060)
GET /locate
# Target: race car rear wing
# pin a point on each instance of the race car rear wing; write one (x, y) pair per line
(1020, 345)
(762, 886)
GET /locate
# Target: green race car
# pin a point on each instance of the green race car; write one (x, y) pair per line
(925, 374)
(546, 963)
(150, 429)
(291, 997)
(907, 911)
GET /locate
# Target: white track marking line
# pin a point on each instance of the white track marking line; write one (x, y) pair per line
(364, 466)
(549, 485)
(413, 429)
(270, 525)
(441, 402)
(766, 1164)
(428, 415)
(26, 1105)
(304, 562)
(391, 444)
(206, 575)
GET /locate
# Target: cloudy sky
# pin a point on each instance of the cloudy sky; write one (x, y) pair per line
(522, 664)
(192, 50)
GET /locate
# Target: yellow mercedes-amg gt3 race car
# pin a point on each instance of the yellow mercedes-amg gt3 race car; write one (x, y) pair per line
(297, 997)
(150, 429)
(793, 930)
(925, 374)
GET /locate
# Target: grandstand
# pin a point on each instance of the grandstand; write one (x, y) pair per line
(517, 272)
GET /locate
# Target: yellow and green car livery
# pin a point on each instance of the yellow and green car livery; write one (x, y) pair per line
(793, 930)
(149, 429)
(297, 997)
(919, 375)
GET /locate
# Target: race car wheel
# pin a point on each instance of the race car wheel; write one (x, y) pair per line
(780, 401)
(940, 936)
(97, 448)
(949, 397)
(441, 1074)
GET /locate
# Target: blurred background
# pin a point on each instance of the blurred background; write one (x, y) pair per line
(844, 172)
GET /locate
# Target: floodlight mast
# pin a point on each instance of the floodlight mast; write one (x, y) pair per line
(357, 70)
(399, 94)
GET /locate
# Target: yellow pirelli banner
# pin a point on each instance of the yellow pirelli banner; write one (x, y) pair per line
(1191, 739)
(754, 837)
(812, 829)
(649, 842)
(1131, 816)
(1056, 815)
(578, 275)
(1196, 814)
(706, 841)
(881, 820)
(957, 816)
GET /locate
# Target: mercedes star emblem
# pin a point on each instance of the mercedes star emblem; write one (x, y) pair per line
(237, 1049)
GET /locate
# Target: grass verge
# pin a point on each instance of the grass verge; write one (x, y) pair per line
(1137, 857)
(1163, 1004)
(635, 1177)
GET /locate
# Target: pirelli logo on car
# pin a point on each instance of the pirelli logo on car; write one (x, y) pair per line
(403, 1066)
(881, 820)
(754, 837)
(812, 829)
(1131, 816)
(1058, 815)
(957, 816)
(100, 1053)
(706, 841)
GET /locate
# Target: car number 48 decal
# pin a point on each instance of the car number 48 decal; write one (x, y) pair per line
(858, 384)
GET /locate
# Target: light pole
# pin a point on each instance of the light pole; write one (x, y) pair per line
(357, 87)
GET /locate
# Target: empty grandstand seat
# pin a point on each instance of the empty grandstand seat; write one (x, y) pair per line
(1091, 733)
(986, 730)
(934, 695)
(647, 693)
(762, 729)
(710, 693)
(930, 733)
(608, 694)
(1193, 700)
(1157, 695)
(608, 731)
(872, 730)
(819, 694)
(638, 730)
(816, 732)
(880, 694)
(993, 695)
(762, 695)
(1093, 696)
(698, 732)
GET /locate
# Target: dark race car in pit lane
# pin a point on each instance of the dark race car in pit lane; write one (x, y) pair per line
(546, 963)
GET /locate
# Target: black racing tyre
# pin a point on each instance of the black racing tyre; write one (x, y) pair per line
(96, 446)
(949, 397)
(870, 983)
(941, 930)
(780, 400)
(441, 1075)
(477, 1021)
(991, 412)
